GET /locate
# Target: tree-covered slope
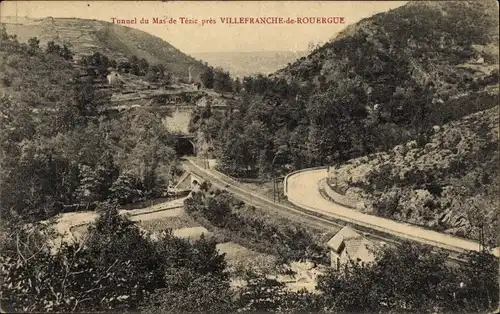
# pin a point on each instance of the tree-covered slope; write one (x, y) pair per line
(57, 149)
(85, 37)
(386, 80)
(424, 42)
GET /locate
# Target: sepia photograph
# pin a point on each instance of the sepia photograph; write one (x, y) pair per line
(249, 157)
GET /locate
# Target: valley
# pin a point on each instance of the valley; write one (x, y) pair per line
(241, 64)
(361, 176)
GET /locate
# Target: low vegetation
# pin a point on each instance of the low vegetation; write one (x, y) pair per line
(85, 37)
(119, 268)
(363, 93)
(253, 229)
(162, 224)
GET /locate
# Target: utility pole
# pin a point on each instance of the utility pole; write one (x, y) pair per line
(206, 159)
(481, 238)
(276, 189)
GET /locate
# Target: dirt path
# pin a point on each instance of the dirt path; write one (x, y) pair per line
(65, 221)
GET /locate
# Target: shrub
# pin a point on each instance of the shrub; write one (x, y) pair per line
(387, 205)
(287, 241)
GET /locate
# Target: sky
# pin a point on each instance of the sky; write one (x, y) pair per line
(219, 37)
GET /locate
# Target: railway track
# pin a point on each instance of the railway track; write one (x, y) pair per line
(317, 221)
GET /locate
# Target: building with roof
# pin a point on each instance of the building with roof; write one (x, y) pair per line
(114, 79)
(188, 182)
(348, 245)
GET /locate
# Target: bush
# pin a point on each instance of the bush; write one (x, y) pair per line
(288, 242)
(387, 205)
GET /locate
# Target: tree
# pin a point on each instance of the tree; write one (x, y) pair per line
(33, 44)
(222, 81)
(256, 139)
(89, 186)
(3, 34)
(95, 183)
(207, 77)
(147, 153)
(85, 101)
(156, 73)
(66, 53)
(405, 278)
(133, 59)
(237, 85)
(124, 66)
(260, 294)
(53, 48)
(143, 66)
(478, 288)
(135, 69)
(124, 190)
(349, 291)
(195, 278)
(99, 275)
(189, 292)
(248, 84)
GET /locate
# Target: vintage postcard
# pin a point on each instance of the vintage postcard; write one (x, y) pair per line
(249, 156)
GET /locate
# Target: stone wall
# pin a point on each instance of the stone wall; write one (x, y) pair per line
(342, 199)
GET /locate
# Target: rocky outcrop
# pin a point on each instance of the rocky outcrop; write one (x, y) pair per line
(449, 183)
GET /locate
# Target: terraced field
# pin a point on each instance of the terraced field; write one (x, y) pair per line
(85, 37)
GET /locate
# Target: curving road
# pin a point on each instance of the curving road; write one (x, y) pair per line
(303, 191)
(311, 208)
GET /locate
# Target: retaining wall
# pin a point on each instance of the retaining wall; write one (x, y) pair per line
(339, 198)
(285, 180)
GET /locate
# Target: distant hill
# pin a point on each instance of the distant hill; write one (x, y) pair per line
(449, 184)
(85, 37)
(248, 63)
(448, 44)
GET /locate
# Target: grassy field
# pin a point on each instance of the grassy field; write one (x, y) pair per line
(161, 224)
(240, 258)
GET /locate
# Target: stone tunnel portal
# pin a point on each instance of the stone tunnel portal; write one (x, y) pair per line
(185, 147)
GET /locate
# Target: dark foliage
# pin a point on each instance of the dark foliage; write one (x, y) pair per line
(223, 211)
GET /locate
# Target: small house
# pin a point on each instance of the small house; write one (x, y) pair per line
(114, 79)
(188, 181)
(348, 245)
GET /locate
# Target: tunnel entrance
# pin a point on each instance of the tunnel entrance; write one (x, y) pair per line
(185, 147)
